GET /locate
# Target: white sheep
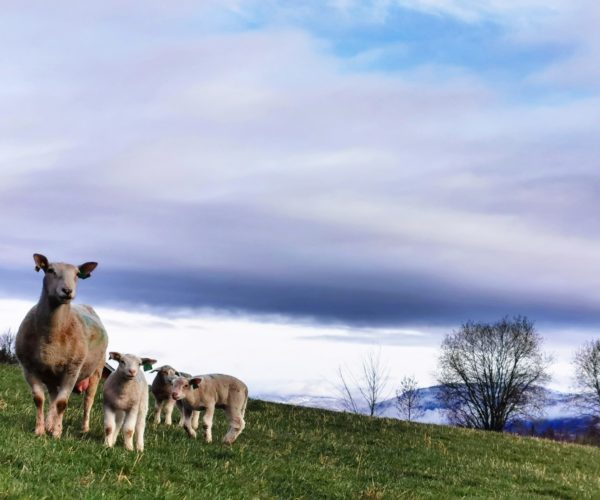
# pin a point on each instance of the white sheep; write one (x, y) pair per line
(207, 392)
(126, 401)
(61, 347)
(162, 387)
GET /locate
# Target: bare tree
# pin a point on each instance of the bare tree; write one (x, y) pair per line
(7, 348)
(492, 373)
(369, 387)
(587, 376)
(408, 399)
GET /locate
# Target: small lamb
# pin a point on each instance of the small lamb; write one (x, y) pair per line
(162, 387)
(207, 392)
(126, 401)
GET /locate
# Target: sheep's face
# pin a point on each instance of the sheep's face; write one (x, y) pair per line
(60, 280)
(129, 364)
(181, 386)
(168, 372)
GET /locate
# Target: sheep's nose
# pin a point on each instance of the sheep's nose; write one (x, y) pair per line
(67, 291)
(132, 372)
(174, 395)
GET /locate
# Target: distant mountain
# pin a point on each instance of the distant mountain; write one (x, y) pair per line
(560, 415)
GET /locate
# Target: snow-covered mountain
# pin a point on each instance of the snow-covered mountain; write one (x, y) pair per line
(560, 413)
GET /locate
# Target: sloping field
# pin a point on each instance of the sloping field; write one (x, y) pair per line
(285, 452)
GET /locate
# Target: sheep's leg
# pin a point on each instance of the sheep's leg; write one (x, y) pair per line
(59, 403)
(140, 425)
(236, 424)
(51, 417)
(187, 422)
(207, 422)
(119, 418)
(195, 419)
(110, 426)
(90, 394)
(158, 406)
(129, 427)
(169, 405)
(180, 407)
(37, 391)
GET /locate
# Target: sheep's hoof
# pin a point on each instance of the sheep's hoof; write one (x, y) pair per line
(40, 431)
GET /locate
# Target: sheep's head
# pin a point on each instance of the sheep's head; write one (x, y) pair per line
(167, 372)
(182, 385)
(60, 280)
(129, 364)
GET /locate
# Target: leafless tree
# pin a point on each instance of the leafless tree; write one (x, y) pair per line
(587, 376)
(7, 348)
(408, 399)
(492, 373)
(369, 386)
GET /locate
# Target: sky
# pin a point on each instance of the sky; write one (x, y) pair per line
(275, 189)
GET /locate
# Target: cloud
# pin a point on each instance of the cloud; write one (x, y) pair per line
(250, 170)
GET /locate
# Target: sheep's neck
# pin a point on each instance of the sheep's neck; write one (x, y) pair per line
(51, 315)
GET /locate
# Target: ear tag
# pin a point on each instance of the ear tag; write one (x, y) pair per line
(194, 385)
(82, 276)
(147, 366)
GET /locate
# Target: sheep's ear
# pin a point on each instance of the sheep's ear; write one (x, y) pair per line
(114, 355)
(177, 373)
(155, 370)
(41, 262)
(195, 381)
(85, 270)
(147, 363)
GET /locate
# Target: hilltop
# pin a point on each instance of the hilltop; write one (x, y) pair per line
(286, 451)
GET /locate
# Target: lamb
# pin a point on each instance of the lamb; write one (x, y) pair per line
(126, 401)
(60, 346)
(162, 387)
(207, 392)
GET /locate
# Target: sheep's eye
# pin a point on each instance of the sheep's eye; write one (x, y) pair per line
(51, 271)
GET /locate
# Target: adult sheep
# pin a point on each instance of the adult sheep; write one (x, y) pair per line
(61, 347)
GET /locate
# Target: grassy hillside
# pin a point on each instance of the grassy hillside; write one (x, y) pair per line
(285, 452)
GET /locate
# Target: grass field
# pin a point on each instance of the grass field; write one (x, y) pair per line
(285, 452)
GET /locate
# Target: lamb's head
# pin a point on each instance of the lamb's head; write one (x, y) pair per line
(182, 385)
(129, 364)
(60, 280)
(168, 373)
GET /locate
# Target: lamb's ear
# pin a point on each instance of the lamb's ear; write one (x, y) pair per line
(85, 270)
(155, 370)
(41, 262)
(195, 381)
(147, 363)
(114, 355)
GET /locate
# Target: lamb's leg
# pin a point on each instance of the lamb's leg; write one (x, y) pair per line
(207, 421)
(90, 394)
(169, 405)
(158, 410)
(119, 418)
(129, 427)
(187, 422)
(180, 407)
(140, 425)
(110, 426)
(37, 391)
(236, 424)
(195, 419)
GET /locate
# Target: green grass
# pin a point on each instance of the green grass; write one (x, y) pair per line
(285, 452)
